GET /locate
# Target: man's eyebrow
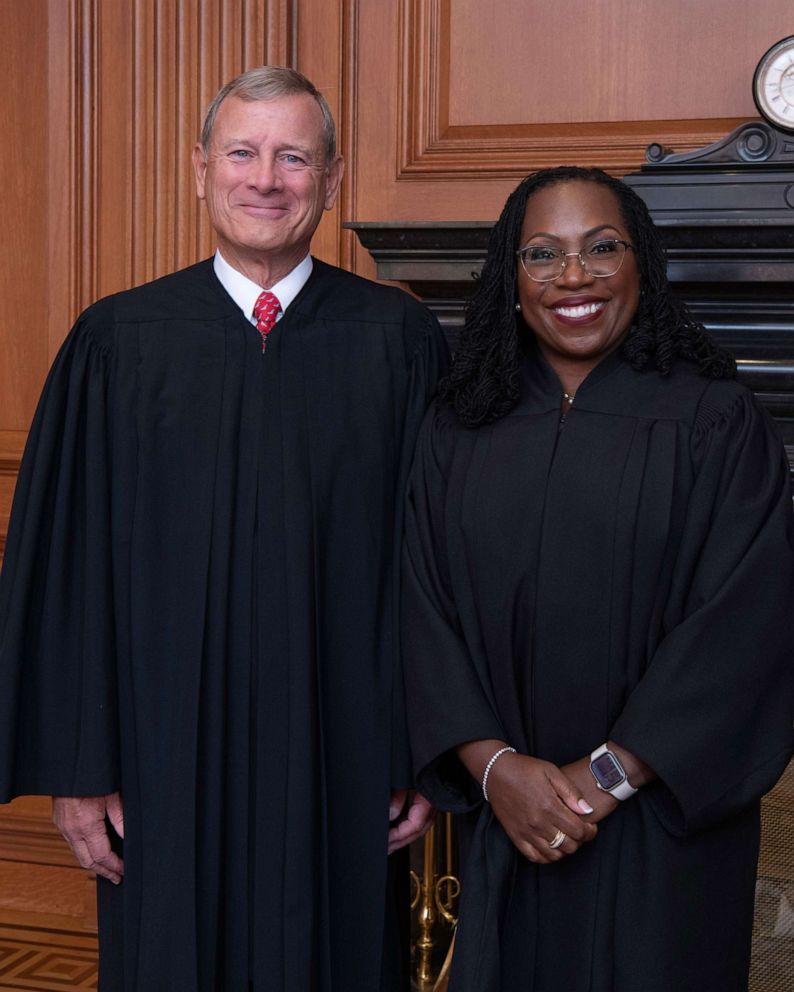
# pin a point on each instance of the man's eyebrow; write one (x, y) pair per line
(285, 146)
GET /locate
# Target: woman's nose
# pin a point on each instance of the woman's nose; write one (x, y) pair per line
(574, 272)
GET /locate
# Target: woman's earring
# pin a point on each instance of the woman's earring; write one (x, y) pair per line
(518, 307)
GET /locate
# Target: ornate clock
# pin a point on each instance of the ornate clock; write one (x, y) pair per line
(773, 85)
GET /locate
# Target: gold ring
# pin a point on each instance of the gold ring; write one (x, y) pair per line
(559, 839)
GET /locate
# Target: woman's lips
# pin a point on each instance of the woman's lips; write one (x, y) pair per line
(578, 312)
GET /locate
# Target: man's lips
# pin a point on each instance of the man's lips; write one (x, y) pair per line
(263, 209)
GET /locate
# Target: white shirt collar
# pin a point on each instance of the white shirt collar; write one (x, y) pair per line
(245, 293)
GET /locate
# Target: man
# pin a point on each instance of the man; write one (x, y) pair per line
(198, 642)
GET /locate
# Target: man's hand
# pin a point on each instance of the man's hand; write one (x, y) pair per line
(82, 822)
(413, 820)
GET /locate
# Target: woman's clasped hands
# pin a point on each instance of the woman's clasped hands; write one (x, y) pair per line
(546, 811)
(540, 809)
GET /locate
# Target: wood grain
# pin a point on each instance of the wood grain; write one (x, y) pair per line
(11, 446)
(28, 835)
(613, 61)
(45, 955)
(24, 167)
(505, 91)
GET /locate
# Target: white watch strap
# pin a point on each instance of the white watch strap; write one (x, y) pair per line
(625, 790)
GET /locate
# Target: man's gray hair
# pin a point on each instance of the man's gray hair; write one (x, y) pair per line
(269, 82)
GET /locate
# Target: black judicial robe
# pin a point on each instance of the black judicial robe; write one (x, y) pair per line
(198, 607)
(628, 576)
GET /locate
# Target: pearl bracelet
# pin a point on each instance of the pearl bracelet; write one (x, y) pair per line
(489, 766)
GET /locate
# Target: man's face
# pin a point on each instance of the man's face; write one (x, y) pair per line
(266, 179)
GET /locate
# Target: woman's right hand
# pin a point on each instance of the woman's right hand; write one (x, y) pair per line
(532, 799)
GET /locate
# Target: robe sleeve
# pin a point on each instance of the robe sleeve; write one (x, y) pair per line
(429, 361)
(58, 711)
(448, 694)
(712, 714)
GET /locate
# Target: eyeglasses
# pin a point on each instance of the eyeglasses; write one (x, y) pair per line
(542, 263)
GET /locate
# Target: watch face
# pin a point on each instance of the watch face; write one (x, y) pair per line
(773, 85)
(608, 772)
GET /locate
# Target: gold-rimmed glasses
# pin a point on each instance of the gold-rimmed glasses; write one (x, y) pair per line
(602, 258)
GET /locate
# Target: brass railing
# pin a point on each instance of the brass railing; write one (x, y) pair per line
(435, 893)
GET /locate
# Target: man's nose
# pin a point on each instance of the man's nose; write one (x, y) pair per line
(264, 174)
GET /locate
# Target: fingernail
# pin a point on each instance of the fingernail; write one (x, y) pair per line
(585, 806)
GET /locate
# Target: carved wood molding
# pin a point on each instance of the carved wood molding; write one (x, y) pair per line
(751, 146)
(347, 126)
(32, 840)
(429, 147)
(70, 165)
(12, 444)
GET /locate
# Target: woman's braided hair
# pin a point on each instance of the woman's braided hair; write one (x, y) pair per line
(482, 384)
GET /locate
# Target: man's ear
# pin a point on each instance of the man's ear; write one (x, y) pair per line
(199, 168)
(335, 172)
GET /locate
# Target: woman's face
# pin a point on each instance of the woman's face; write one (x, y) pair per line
(577, 318)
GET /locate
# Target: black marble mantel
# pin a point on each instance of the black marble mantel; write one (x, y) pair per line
(726, 214)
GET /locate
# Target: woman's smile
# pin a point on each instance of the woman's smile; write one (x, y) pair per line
(577, 318)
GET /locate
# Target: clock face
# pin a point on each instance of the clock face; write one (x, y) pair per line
(773, 85)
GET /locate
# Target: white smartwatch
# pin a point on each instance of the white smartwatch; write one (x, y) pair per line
(610, 776)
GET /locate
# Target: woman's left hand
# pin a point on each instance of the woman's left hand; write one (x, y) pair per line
(603, 803)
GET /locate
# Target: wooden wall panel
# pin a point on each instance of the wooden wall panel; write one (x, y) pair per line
(470, 109)
(24, 167)
(612, 61)
(12, 444)
(320, 54)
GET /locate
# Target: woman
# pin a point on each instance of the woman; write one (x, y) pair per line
(598, 612)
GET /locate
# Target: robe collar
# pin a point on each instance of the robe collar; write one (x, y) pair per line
(541, 389)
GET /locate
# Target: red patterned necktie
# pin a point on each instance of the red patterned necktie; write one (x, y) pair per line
(266, 309)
